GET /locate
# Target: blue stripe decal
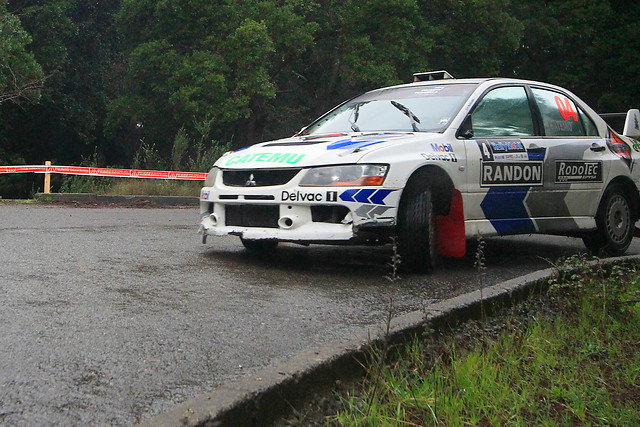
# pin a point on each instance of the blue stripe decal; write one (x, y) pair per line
(504, 208)
(349, 143)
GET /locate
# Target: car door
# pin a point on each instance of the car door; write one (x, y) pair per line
(505, 161)
(577, 164)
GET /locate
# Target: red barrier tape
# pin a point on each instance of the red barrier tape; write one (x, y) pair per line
(120, 173)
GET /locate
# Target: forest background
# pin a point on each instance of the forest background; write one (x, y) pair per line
(170, 84)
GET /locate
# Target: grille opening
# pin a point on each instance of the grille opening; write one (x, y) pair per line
(328, 213)
(268, 197)
(258, 177)
(264, 216)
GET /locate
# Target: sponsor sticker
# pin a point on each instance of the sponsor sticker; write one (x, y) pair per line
(442, 148)
(297, 196)
(511, 173)
(510, 156)
(289, 158)
(445, 157)
(507, 147)
(504, 150)
(568, 171)
(434, 90)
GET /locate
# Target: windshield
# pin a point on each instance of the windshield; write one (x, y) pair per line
(427, 108)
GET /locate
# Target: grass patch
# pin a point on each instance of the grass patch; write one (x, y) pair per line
(570, 357)
(155, 187)
(18, 201)
(131, 186)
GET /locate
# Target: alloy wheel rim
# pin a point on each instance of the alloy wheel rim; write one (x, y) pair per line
(618, 219)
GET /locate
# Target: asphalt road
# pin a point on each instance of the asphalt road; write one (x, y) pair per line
(112, 315)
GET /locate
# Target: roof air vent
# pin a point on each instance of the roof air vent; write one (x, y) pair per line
(431, 75)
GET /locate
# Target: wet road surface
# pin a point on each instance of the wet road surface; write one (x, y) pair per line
(112, 315)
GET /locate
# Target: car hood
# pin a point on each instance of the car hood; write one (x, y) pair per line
(305, 151)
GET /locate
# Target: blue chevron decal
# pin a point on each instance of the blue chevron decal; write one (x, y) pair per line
(363, 195)
(366, 195)
(504, 208)
(379, 196)
(347, 196)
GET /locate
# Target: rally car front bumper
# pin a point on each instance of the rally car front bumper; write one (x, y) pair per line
(299, 214)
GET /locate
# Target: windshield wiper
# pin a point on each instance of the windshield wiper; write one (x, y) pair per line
(356, 114)
(409, 114)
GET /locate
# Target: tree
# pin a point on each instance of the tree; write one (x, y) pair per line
(357, 46)
(591, 47)
(197, 61)
(21, 76)
(469, 38)
(74, 42)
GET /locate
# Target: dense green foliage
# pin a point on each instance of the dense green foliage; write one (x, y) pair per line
(570, 358)
(109, 77)
(21, 75)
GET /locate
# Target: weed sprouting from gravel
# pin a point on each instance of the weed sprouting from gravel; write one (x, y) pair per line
(480, 266)
(379, 355)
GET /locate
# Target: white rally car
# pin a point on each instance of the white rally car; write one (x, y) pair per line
(435, 162)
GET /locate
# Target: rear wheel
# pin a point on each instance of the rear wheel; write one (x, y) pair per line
(417, 231)
(614, 221)
(259, 245)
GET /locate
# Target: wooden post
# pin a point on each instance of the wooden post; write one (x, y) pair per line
(47, 179)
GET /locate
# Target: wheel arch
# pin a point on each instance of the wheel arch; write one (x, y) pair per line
(630, 189)
(435, 178)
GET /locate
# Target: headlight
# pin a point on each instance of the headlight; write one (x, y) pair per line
(211, 177)
(347, 175)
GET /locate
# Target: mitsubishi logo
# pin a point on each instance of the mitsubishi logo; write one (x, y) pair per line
(251, 182)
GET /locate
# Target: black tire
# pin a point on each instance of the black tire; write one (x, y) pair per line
(615, 225)
(417, 232)
(259, 246)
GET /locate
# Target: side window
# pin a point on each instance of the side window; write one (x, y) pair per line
(561, 116)
(589, 126)
(503, 112)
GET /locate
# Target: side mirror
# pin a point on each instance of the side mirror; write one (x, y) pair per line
(467, 134)
(632, 124)
(466, 130)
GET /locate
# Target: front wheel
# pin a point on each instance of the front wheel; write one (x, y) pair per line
(614, 221)
(417, 232)
(259, 246)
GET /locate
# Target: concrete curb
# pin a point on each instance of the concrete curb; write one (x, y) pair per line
(126, 200)
(271, 393)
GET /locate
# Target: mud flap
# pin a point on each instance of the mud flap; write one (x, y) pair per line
(451, 235)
